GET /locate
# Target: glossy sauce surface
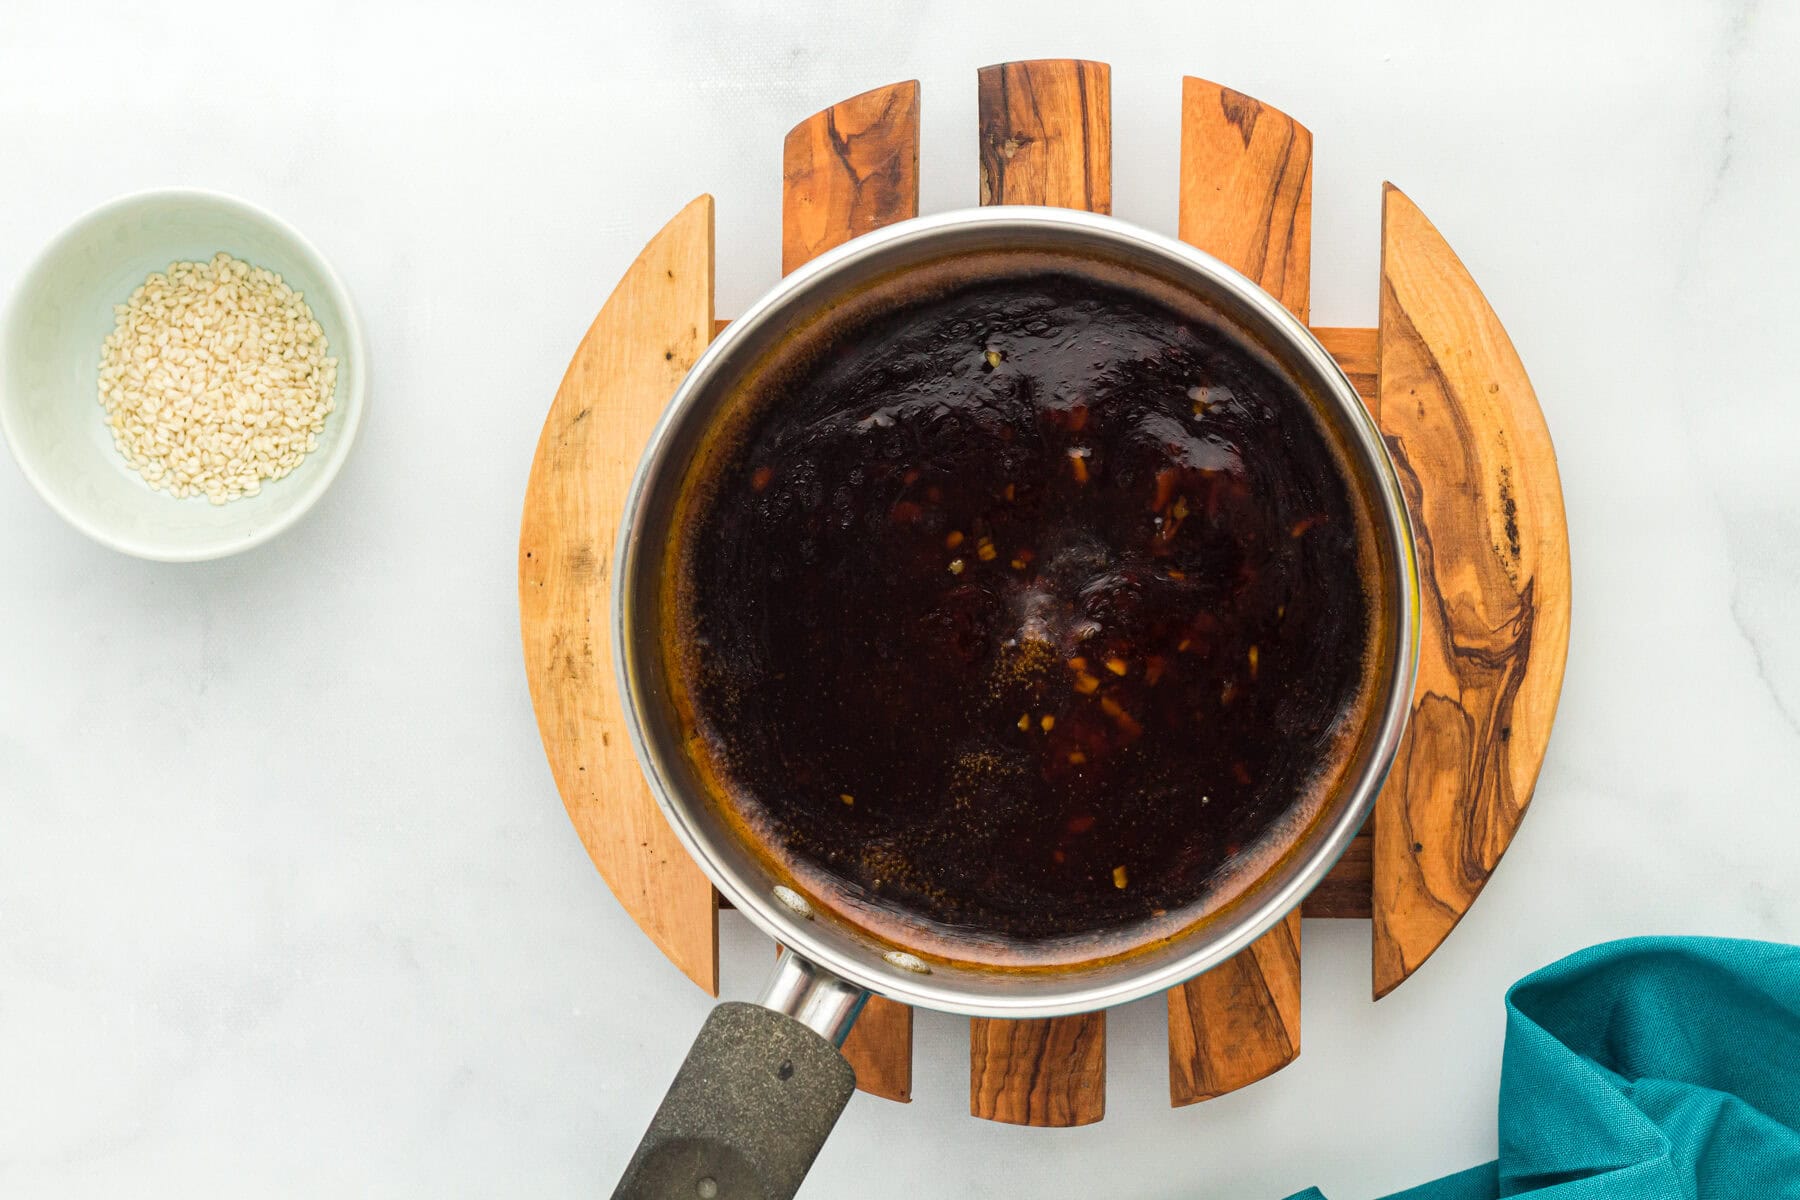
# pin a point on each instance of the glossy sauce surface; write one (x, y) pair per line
(1028, 606)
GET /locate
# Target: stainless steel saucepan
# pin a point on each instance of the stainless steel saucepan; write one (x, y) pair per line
(764, 1084)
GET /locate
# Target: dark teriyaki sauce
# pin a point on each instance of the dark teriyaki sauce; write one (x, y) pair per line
(1030, 606)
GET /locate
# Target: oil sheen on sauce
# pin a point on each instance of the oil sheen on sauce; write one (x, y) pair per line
(1028, 605)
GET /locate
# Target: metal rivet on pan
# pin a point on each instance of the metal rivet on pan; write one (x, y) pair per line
(795, 901)
(907, 962)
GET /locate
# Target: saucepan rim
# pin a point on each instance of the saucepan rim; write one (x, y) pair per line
(1319, 848)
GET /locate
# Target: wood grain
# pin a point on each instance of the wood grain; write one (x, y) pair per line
(1246, 199)
(653, 327)
(1049, 1073)
(1246, 189)
(1467, 436)
(849, 169)
(1046, 138)
(1348, 892)
(880, 1049)
(1244, 1024)
(845, 171)
(1046, 133)
(1357, 352)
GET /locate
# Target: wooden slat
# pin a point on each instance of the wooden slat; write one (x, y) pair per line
(1050, 1073)
(1474, 455)
(653, 327)
(848, 170)
(845, 171)
(1046, 134)
(1246, 199)
(1348, 890)
(1246, 189)
(880, 1048)
(1046, 138)
(1231, 1034)
(1356, 352)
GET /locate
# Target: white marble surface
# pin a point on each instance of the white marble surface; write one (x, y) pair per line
(288, 906)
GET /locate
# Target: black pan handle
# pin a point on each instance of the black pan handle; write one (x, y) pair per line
(756, 1098)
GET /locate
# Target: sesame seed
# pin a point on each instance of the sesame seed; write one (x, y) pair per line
(215, 378)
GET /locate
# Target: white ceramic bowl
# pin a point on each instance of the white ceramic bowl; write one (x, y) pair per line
(50, 343)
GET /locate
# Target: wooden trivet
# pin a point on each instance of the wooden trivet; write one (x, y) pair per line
(1461, 422)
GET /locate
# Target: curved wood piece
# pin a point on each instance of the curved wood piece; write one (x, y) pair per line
(1046, 138)
(1050, 1073)
(1046, 133)
(1246, 199)
(1246, 189)
(846, 171)
(849, 169)
(1473, 452)
(654, 325)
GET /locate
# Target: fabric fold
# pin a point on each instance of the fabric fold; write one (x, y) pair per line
(1647, 1069)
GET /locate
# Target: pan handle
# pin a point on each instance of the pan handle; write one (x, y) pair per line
(756, 1098)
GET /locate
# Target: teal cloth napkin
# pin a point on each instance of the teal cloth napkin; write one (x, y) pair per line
(1647, 1069)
